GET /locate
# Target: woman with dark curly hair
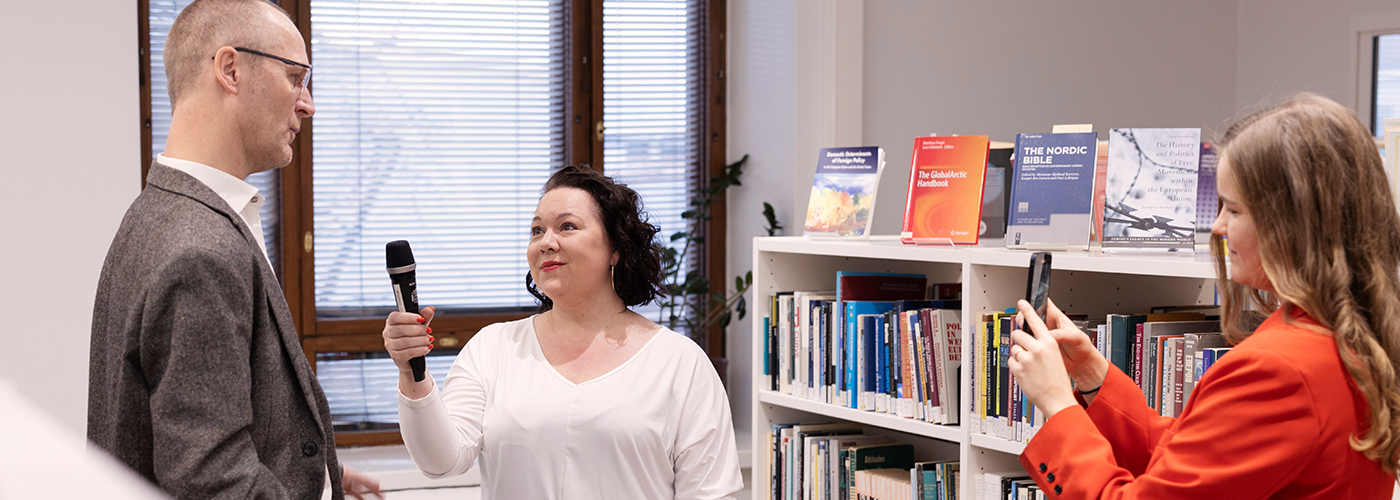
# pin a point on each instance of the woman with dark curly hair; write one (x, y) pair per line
(585, 399)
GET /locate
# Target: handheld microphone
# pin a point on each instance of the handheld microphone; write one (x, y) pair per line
(401, 272)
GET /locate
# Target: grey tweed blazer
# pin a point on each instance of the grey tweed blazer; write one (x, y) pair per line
(197, 379)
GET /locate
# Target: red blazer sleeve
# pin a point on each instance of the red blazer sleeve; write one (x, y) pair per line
(1247, 431)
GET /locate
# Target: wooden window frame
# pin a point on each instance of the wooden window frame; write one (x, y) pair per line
(583, 112)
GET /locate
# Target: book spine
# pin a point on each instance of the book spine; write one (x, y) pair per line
(932, 365)
(1138, 351)
(1165, 397)
(848, 360)
(1153, 368)
(1178, 379)
(1004, 376)
(911, 370)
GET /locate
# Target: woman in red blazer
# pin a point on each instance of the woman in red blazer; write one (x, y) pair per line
(1307, 404)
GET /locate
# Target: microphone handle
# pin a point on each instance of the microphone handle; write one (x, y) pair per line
(406, 297)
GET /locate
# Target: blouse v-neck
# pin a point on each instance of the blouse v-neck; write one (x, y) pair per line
(534, 335)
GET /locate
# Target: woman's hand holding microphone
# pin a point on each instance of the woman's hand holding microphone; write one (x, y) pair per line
(407, 336)
(1044, 364)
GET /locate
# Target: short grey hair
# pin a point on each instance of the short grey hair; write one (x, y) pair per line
(204, 26)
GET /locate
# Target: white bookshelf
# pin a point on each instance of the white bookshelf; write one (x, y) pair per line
(992, 278)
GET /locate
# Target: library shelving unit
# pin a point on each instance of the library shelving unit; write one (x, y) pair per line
(992, 278)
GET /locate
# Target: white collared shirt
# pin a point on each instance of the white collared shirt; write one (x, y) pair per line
(240, 195)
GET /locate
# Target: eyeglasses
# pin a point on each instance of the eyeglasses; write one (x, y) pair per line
(303, 80)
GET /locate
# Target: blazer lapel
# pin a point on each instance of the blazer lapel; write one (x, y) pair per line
(175, 181)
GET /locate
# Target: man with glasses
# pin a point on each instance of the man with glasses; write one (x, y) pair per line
(197, 378)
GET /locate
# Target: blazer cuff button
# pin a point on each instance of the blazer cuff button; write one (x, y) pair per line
(1051, 477)
(1058, 489)
(309, 448)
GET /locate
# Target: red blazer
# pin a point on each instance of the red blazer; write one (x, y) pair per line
(1271, 419)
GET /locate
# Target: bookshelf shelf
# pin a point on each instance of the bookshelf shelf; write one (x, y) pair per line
(997, 444)
(950, 433)
(992, 279)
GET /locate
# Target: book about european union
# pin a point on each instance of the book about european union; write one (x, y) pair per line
(843, 192)
(1052, 191)
(1150, 198)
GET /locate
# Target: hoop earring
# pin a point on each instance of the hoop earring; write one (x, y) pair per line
(612, 277)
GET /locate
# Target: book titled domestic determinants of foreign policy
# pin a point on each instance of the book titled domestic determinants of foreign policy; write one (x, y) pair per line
(1150, 198)
(1052, 191)
(946, 182)
(843, 192)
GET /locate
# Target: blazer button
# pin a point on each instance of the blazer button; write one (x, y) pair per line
(1042, 467)
(1051, 477)
(1057, 489)
(309, 448)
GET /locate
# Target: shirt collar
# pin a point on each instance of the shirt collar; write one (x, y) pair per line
(234, 191)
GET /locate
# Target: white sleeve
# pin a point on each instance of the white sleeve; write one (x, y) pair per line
(707, 464)
(443, 431)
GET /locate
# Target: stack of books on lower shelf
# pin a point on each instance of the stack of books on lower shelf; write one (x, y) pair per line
(878, 343)
(838, 460)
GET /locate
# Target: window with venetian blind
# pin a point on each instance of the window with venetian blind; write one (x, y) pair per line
(438, 122)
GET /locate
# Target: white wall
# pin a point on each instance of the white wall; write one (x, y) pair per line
(762, 124)
(1289, 46)
(1003, 68)
(70, 165)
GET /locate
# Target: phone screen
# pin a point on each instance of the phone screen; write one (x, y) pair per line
(1038, 282)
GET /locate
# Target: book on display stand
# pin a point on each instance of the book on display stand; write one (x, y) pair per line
(946, 184)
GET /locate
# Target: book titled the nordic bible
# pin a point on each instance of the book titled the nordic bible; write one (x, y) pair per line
(946, 177)
(843, 192)
(1052, 191)
(1150, 199)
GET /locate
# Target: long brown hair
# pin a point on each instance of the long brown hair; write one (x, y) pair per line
(1329, 241)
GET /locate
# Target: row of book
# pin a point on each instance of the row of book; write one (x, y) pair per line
(1012, 485)
(874, 344)
(1164, 353)
(838, 461)
(1143, 188)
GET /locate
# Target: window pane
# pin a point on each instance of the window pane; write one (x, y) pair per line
(651, 107)
(1387, 81)
(437, 122)
(362, 388)
(162, 15)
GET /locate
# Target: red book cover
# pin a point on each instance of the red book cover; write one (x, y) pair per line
(946, 177)
(880, 286)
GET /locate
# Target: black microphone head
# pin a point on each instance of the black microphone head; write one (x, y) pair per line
(398, 254)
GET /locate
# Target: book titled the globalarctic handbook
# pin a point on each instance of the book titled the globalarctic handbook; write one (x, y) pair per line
(946, 179)
(843, 192)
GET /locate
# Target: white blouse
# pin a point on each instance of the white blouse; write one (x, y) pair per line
(656, 427)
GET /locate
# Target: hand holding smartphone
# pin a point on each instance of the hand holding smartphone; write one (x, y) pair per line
(1038, 283)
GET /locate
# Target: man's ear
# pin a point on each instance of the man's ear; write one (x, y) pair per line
(228, 72)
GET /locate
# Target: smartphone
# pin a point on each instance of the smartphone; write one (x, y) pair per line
(1038, 282)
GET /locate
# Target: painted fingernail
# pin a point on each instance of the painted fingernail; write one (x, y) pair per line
(430, 329)
(431, 339)
(420, 319)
